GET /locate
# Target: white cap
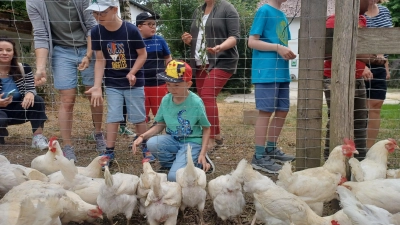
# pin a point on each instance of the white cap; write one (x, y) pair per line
(101, 5)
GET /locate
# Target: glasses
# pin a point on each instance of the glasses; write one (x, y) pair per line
(151, 25)
(102, 13)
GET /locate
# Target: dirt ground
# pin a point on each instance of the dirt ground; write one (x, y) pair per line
(239, 139)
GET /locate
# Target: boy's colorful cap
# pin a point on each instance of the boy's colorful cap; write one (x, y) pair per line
(176, 72)
(101, 5)
(144, 16)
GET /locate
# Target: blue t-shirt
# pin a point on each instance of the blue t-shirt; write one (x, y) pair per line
(9, 85)
(157, 49)
(119, 50)
(272, 26)
(183, 121)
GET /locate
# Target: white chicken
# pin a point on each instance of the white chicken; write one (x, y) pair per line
(374, 166)
(226, 193)
(274, 205)
(163, 202)
(47, 163)
(318, 185)
(12, 175)
(393, 173)
(383, 193)
(45, 213)
(79, 211)
(118, 194)
(94, 169)
(145, 181)
(193, 182)
(362, 214)
(87, 188)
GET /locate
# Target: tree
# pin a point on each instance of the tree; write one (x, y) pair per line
(394, 8)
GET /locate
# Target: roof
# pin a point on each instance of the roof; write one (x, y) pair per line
(290, 7)
(140, 6)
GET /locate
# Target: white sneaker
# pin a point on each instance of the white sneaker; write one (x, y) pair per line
(40, 142)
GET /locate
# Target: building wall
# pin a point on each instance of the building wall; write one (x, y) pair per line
(134, 12)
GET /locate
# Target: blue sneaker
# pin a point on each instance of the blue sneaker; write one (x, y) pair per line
(111, 157)
(148, 157)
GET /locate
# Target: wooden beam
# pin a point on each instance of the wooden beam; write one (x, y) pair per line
(309, 102)
(371, 40)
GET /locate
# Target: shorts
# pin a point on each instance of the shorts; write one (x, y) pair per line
(134, 99)
(271, 97)
(376, 88)
(65, 62)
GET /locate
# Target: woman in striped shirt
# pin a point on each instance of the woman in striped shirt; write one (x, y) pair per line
(377, 16)
(18, 100)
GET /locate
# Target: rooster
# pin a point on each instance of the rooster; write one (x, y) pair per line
(364, 214)
(145, 181)
(226, 193)
(383, 193)
(193, 182)
(275, 205)
(163, 202)
(318, 185)
(12, 175)
(46, 163)
(374, 165)
(118, 194)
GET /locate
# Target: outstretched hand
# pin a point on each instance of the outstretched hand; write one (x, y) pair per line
(202, 160)
(96, 98)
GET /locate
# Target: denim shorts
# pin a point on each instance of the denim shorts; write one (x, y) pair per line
(65, 62)
(134, 99)
(271, 97)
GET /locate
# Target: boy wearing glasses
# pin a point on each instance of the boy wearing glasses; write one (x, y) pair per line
(120, 55)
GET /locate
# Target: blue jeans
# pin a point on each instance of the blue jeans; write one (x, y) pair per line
(172, 153)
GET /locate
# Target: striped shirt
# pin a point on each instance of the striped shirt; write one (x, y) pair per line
(26, 83)
(383, 19)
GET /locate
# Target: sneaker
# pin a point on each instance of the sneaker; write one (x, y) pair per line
(40, 142)
(69, 153)
(123, 130)
(3, 134)
(265, 164)
(148, 157)
(111, 156)
(100, 142)
(212, 168)
(279, 155)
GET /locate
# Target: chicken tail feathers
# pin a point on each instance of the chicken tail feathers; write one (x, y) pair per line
(189, 169)
(357, 173)
(285, 173)
(156, 186)
(239, 172)
(67, 167)
(108, 178)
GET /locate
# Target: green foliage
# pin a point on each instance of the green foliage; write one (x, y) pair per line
(18, 7)
(176, 18)
(394, 8)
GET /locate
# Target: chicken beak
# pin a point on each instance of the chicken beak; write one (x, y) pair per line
(355, 152)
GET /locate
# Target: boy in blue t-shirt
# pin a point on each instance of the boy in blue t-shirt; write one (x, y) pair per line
(269, 37)
(182, 114)
(158, 55)
(120, 55)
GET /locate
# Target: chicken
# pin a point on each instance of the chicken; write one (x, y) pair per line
(145, 181)
(87, 188)
(45, 213)
(226, 193)
(79, 210)
(193, 182)
(46, 163)
(318, 185)
(364, 214)
(12, 175)
(163, 202)
(118, 194)
(94, 169)
(274, 205)
(374, 166)
(383, 193)
(393, 173)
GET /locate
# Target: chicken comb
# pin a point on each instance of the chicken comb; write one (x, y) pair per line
(100, 211)
(334, 222)
(392, 140)
(145, 160)
(349, 142)
(52, 139)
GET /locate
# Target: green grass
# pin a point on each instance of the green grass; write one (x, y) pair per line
(390, 124)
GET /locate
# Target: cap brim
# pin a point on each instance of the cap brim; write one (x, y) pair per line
(97, 8)
(164, 76)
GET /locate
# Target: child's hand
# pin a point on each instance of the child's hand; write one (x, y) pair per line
(136, 143)
(96, 98)
(202, 160)
(187, 38)
(285, 52)
(131, 78)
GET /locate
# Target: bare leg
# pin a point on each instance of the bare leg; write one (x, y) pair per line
(374, 120)
(261, 127)
(275, 127)
(141, 128)
(112, 130)
(65, 114)
(97, 114)
(38, 131)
